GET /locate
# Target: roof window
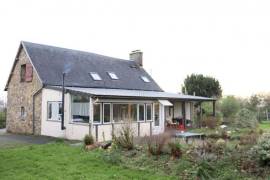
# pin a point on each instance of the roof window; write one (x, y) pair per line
(145, 79)
(95, 76)
(113, 75)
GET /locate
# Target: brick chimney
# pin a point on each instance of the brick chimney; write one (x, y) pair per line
(136, 56)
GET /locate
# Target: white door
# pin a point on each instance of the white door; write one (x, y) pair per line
(158, 123)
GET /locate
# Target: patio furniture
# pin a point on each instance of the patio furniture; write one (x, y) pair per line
(189, 135)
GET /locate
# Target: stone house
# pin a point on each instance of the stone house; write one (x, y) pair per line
(100, 94)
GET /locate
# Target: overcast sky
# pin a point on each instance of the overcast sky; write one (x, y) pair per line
(229, 40)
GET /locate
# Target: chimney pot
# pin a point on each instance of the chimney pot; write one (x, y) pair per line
(136, 56)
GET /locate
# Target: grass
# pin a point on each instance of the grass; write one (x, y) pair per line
(265, 125)
(62, 161)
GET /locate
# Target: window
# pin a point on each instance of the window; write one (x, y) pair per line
(141, 112)
(23, 114)
(95, 76)
(113, 75)
(54, 111)
(156, 106)
(23, 72)
(145, 79)
(80, 109)
(106, 113)
(148, 112)
(97, 112)
(124, 112)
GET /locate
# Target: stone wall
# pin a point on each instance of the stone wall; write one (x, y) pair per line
(20, 94)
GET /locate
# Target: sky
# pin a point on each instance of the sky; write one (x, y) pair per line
(228, 40)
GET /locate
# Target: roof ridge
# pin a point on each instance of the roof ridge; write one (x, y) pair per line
(76, 50)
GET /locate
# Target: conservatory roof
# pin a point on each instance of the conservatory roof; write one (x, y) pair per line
(134, 93)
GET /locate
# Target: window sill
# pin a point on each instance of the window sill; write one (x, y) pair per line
(51, 120)
(78, 123)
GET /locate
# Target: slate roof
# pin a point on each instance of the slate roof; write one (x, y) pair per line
(50, 62)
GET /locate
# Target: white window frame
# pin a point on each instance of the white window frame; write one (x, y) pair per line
(151, 106)
(110, 113)
(59, 115)
(113, 75)
(100, 113)
(145, 79)
(95, 76)
(138, 113)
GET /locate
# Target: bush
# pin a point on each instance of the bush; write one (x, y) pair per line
(88, 140)
(249, 139)
(210, 122)
(246, 119)
(204, 170)
(155, 144)
(262, 150)
(176, 149)
(112, 157)
(125, 139)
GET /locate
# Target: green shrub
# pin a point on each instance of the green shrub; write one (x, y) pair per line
(204, 170)
(176, 149)
(125, 139)
(246, 119)
(88, 140)
(113, 157)
(262, 150)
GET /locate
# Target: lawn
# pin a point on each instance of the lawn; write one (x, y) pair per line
(265, 125)
(62, 161)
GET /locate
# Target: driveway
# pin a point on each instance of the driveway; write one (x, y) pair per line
(11, 140)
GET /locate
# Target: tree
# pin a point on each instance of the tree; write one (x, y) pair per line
(229, 107)
(254, 102)
(202, 86)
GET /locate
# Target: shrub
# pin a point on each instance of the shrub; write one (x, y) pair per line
(155, 144)
(249, 139)
(112, 157)
(262, 150)
(125, 139)
(204, 170)
(88, 140)
(246, 119)
(210, 122)
(176, 149)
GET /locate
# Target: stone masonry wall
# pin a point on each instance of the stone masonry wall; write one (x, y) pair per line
(20, 94)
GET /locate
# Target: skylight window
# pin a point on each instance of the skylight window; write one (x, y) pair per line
(145, 79)
(95, 76)
(113, 75)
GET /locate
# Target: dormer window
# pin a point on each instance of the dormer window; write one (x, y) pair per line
(113, 75)
(145, 79)
(95, 76)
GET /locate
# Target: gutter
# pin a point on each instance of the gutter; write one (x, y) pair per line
(33, 108)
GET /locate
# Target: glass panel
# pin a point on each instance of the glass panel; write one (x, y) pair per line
(54, 111)
(80, 109)
(141, 112)
(107, 113)
(97, 112)
(149, 112)
(95, 76)
(145, 79)
(112, 75)
(124, 112)
(156, 114)
(50, 111)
